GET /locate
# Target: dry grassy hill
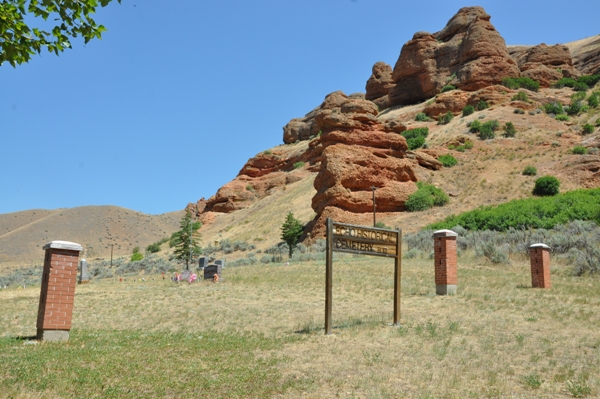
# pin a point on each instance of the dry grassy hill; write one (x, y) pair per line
(96, 228)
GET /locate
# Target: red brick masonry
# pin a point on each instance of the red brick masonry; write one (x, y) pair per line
(539, 255)
(444, 247)
(58, 286)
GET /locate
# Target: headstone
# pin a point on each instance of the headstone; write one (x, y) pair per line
(211, 270)
(220, 262)
(202, 262)
(84, 276)
(185, 275)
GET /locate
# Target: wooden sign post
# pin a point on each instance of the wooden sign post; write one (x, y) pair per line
(362, 240)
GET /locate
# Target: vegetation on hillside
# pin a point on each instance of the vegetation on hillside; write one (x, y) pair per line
(545, 212)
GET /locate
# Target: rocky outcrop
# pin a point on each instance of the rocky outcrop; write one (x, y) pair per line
(359, 153)
(468, 53)
(304, 128)
(545, 64)
(380, 82)
(586, 55)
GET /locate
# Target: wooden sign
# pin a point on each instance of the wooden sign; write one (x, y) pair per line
(362, 240)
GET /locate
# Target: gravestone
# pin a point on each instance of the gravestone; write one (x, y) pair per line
(202, 263)
(211, 270)
(185, 275)
(84, 276)
(220, 262)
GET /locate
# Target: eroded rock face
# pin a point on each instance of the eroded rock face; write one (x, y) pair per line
(586, 55)
(380, 82)
(468, 53)
(359, 153)
(545, 64)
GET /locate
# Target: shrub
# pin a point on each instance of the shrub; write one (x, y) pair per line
(562, 118)
(587, 128)
(481, 105)
(530, 171)
(448, 88)
(555, 108)
(447, 160)
(593, 101)
(475, 126)
(519, 111)
(575, 108)
(580, 86)
(468, 145)
(520, 96)
(579, 96)
(415, 138)
(579, 150)
(444, 120)
(426, 197)
(136, 257)
(422, 117)
(568, 82)
(298, 164)
(509, 130)
(468, 110)
(517, 83)
(546, 186)
(486, 132)
(382, 225)
(153, 248)
(249, 187)
(589, 80)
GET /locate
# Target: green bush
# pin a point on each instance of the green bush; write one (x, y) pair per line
(530, 171)
(555, 108)
(519, 111)
(565, 82)
(579, 150)
(468, 110)
(589, 80)
(447, 160)
(574, 108)
(530, 213)
(593, 100)
(444, 120)
(153, 248)
(415, 138)
(468, 145)
(509, 130)
(517, 83)
(448, 88)
(136, 257)
(520, 96)
(580, 86)
(422, 117)
(486, 132)
(562, 118)
(475, 126)
(587, 128)
(481, 105)
(546, 186)
(298, 165)
(426, 197)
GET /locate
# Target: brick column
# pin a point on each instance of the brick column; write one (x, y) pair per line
(58, 289)
(444, 248)
(539, 256)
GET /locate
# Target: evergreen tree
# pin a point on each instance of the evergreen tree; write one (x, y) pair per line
(186, 239)
(291, 230)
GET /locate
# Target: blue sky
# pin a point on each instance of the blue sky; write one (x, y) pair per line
(179, 94)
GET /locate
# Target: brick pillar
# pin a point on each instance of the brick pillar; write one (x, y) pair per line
(58, 289)
(444, 247)
(539, 256)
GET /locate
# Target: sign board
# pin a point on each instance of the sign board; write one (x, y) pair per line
(361, 240)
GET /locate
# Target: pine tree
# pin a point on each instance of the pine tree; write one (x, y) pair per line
(186, 239)
(291, 230)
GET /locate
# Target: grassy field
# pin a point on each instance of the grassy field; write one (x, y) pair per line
(259, 333)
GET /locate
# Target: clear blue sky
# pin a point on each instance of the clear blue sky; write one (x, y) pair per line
(179, 94)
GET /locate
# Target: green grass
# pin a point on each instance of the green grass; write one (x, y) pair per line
(137, 364)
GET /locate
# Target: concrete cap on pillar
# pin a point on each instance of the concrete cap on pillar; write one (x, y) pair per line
(445, 233)
(539, 245)
(71, 246)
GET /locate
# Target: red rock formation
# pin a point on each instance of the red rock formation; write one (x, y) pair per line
(468, 53)
(545, 64)
(380, 82)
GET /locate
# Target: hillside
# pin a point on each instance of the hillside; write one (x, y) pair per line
(23, 234)
(351, 143)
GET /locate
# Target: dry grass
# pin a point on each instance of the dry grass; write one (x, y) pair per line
(496, 338)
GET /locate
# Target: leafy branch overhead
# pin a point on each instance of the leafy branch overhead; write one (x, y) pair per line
(72, 19)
